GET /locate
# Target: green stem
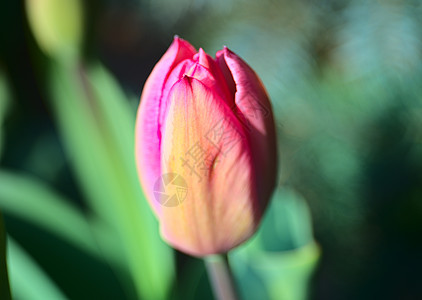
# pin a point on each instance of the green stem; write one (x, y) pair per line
(221, 277)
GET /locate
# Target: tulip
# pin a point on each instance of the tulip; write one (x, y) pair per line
(205, 128)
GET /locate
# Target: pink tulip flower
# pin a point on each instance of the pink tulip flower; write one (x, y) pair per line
(205, 148)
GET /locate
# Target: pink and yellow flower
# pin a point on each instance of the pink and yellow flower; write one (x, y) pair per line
(207, 123)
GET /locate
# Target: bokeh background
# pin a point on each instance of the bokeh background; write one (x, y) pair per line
(345, 80)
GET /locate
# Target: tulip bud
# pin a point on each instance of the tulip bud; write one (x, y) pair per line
(57, 26)
(205, 148)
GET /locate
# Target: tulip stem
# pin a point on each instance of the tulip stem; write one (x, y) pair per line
(221, 277)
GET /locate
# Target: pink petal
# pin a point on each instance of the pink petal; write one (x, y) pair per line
(181, 69)
(208, 62)
(254, 110)
(204, 75)
(227, 75)
(205, 143)
(148, 133)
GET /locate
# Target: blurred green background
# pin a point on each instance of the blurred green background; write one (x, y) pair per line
(345, 80)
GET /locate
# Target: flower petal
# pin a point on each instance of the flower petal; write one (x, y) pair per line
(210, 64)
(148, 133)
(253, 108)
(205, 76)
(181, 69)
(205, 143)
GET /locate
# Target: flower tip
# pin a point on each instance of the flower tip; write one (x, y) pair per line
(226, 50)
(185, 78)
(177, 39)
(185, 82)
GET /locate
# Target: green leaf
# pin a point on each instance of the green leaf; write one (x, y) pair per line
(97, 125)
(277, 263)
(27, 279)
(287, 223)
(4, 279)
(57, 26)
(33, 201)
(4, 101)
(41, 208)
